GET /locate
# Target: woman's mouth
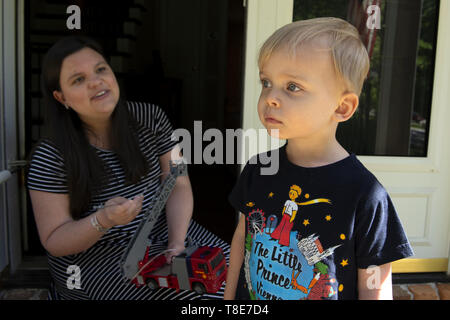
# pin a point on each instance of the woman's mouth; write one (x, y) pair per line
(100, 95)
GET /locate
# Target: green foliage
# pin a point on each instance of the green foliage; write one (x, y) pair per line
(322, 267)
(359, 134)
(248, 242)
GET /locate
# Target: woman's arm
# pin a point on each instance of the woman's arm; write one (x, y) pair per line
(375, 283)
(60, 235)
(179, 208)
(236, 259)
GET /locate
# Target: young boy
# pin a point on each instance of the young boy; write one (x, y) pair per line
(340, 245)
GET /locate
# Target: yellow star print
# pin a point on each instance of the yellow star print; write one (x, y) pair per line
(344, 262)
(271, 195)
(306, 222)
(328, 217)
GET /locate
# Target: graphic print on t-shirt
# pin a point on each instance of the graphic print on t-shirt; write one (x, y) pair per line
(281, 264)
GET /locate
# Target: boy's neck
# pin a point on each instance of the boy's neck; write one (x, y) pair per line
(309, 154)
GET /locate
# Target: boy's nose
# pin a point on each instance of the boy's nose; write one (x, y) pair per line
(273, 101)
(272, 98)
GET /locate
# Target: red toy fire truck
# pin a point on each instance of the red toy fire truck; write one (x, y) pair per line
(202, 269)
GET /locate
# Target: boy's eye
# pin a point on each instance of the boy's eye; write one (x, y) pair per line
(292, 87)
(265, 83)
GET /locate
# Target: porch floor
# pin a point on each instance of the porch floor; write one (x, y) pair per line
(431, 286)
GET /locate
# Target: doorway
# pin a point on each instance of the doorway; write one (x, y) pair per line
(185, 56)
(415, 168)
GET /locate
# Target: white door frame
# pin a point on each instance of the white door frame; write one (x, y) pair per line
(263, 18)
(9, 107)
(4, 258)
(419, 187)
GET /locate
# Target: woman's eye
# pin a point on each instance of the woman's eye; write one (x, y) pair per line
(78, 80)
(292, 87)
(101, 69)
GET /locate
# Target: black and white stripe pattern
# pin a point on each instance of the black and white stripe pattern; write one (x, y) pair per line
(101, 276)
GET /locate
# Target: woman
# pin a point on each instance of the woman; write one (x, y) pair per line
(94, 175)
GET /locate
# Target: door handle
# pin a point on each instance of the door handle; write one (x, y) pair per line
(4, 176)
(13, 166)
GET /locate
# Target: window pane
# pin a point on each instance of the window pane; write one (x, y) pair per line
(395, 104)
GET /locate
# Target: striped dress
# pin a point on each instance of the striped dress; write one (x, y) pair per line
(100, 270)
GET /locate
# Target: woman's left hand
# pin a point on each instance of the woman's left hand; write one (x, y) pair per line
(176, 250)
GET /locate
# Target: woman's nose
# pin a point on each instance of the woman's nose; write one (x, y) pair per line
(95, 81)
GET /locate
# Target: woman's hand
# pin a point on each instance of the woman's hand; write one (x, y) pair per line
(120, 211)
(61, 235)
(176, 249)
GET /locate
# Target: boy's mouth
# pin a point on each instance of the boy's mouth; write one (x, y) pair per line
(272, 120)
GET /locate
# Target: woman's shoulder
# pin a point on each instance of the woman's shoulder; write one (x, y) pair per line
(146, 114)
(155, 123)
(46, 169)
(47, 149)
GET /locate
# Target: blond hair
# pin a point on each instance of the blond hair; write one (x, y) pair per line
(297, 189)
(350, 58)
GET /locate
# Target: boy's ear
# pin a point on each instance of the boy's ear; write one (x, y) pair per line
(347, 107)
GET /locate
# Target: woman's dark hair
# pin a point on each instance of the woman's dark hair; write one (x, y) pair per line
(86, 172)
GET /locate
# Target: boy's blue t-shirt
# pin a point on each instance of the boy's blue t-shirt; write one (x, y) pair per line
(308, 230)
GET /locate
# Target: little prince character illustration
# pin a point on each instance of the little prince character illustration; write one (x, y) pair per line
(290, 209)
(283, 230)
